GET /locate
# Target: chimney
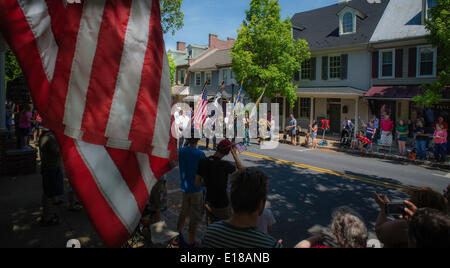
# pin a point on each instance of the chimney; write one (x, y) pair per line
(181, 46)
(212, 41)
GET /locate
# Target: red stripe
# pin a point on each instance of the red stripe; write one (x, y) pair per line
(57, 13)
(105, 69)
(128, 165)
(143, 124)
(17, 32)
(105, 221)
(60, 84)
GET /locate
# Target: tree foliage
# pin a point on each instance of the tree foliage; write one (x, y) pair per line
(265, 54)
(171, 15)
(173, 68)
(439, 27)
(12, 68)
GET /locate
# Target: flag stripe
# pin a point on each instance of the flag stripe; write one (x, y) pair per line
(57, 12)
(110, 183)
(143, 126)
(105, 70)
(129, 78)
(128, 166)
(146, 172)
(36, 13)
(162, 124)
(81, 68)
(107, 224)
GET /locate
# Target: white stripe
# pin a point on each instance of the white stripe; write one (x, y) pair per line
(161, 136)
(110, 183)
(36, 13)
(146, 171)
(129, 77)
(86, 47)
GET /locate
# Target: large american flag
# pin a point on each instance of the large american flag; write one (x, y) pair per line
(201, 109)
(99, 76)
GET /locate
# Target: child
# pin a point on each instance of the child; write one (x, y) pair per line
(365, 143)
(266, 220)
(440, 142)
(285, 136)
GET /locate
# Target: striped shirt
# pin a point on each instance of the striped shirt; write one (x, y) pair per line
(224, 235)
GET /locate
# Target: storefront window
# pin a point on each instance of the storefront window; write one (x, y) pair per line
(305, 107)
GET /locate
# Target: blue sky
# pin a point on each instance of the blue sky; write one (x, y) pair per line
(224, 17)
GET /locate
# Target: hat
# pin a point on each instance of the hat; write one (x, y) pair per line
(224, 147)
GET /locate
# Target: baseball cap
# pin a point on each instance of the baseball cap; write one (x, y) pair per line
(224, 147)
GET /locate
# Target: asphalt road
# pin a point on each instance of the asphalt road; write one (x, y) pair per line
(306, 186)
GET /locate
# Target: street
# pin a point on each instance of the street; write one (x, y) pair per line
(307, 185)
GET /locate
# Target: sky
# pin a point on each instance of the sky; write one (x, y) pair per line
(224, 17)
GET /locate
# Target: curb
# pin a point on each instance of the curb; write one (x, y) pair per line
(389, 157)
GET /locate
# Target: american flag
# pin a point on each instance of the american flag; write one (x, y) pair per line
(201, 110)
(102, 65)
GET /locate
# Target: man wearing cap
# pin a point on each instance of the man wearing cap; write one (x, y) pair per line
(213, 173)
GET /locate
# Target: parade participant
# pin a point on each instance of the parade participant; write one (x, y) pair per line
(183, 123)
(387, 126)
(247, 122)
(213, 173)
(52, 176)
(209, 131)
(293, 129)
(248, 193)
(440, 143)
(402, 132)
(192, 204)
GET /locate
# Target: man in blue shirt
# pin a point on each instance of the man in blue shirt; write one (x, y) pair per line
(192, 207)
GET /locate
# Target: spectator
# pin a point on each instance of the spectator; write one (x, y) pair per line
(192, 206)
(421, 141)
(266, 220)
(25, 121)
(347, 127)
(447, 196)
(371, 130)
(213, 173)
(158, 199)
(365, 143)
(248, 196)
(387, 126)
(394, 233)
(348, 228)
(440, 143)
(402, 132)
(442, 122)
(293, 130)
(37, 124)
(429, 228)
(52, 176)
(9, 120)
(314, 129)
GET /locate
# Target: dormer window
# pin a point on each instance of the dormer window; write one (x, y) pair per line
(347, 23)
(347, 20)
(429, 5)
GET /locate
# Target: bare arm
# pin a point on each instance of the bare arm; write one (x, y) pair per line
(239, 165)
(310, 242)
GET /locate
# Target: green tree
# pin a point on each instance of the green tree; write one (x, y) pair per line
(439, 27)
(12, 68)
(173, 68)
(265, 54)
(171, 15)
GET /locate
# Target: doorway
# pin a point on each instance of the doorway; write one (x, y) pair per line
(334, 114)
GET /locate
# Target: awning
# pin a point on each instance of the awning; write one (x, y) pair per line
(195, 98)
(180, 90)
(393, 92)
(325, 92)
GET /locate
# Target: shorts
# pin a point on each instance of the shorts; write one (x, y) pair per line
(314, 135)
(403, 139)
(37, 124)
(53, 182)
(293, 132)
(193, 208)
(158, 196)
(217, 214)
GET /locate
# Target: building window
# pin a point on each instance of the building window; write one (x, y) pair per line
(430, 4)
(335, 67)
(198, 79)
(306, 70)
(208, 78)
(426, 61)
(387, 63)
(182, 76)
(305, 107)
(347, 23)
(225, 76)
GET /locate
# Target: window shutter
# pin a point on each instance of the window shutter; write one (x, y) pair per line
(375, 63)
(313, 68)
(344, 66)
(399, 62)
(439, 62)
(325, 68)
(412, 63)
